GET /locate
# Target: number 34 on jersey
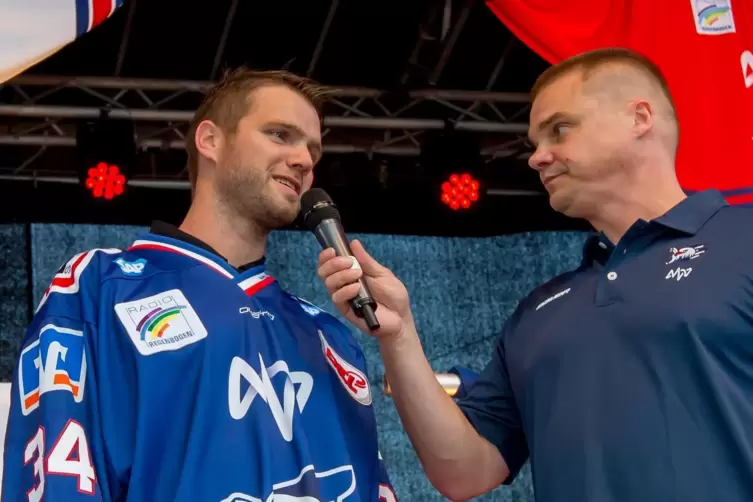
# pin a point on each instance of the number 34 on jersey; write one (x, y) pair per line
(55, 363)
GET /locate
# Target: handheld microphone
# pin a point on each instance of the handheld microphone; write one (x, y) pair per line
(320, 215)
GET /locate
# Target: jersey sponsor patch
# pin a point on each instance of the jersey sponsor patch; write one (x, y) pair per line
(162, 322)
(713, 17)
(131, 268)
(55, 361)
(354, 381)
(308, 307)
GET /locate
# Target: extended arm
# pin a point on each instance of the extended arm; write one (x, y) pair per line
(457, 460)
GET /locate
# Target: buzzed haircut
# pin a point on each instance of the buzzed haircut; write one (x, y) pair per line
(589, 63)
(230, 99)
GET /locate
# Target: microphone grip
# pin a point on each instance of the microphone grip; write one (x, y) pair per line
(330, 234)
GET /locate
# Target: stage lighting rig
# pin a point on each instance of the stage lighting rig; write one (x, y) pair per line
(453, 161)
(460, 191)
(106, 149)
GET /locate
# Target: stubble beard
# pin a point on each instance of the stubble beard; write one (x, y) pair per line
(246, 192)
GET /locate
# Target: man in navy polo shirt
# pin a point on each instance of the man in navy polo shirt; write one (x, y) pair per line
(629, 379)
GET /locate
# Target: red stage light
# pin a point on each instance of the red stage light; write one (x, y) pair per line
(461, 191)
(105, 181)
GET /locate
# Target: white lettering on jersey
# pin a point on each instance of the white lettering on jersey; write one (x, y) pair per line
(337, 485)
(260, 384)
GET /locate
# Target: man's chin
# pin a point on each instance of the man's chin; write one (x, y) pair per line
(560, 202)
(281, 217)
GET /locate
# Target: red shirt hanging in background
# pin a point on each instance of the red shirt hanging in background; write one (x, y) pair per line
(703, 47)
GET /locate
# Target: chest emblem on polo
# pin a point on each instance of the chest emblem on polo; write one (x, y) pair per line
(685, 254)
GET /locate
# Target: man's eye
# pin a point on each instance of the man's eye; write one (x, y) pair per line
(277, 134)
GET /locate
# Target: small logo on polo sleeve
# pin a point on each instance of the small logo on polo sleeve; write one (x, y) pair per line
(161, 322)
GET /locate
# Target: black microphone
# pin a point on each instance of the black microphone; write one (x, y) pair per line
(320, 215)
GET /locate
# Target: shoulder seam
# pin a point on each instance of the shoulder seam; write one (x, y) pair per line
(141, 278)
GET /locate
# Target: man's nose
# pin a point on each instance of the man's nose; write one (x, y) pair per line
(540, 159)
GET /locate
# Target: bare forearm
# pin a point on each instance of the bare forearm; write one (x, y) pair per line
(458, 461)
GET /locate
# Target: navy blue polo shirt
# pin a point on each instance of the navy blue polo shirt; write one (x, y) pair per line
(630, 379)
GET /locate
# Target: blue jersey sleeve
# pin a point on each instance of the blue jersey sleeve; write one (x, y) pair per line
(53, 447)
(386, 491)
(490, 406)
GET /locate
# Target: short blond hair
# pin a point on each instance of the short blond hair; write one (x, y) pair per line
(589, 63)
(229, 100)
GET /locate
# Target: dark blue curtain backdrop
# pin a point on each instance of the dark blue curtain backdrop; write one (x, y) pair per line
(462, 290)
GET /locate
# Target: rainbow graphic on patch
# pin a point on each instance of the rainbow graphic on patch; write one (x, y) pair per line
(711, 15)
(156, 322)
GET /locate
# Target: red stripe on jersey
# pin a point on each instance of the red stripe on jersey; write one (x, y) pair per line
(67, 281)
(100, 10)
(251, 291)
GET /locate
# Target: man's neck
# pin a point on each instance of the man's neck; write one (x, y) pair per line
(620, 212)
(238, 240)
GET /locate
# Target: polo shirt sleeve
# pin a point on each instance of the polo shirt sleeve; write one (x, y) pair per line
(490, 407)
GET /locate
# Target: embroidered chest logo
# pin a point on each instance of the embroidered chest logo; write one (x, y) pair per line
(682, 255)
(685, 254)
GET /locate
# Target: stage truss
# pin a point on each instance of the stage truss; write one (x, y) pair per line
(38, 113)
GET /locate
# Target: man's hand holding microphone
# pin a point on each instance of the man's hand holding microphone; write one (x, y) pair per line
(341, 274)
(456, 459)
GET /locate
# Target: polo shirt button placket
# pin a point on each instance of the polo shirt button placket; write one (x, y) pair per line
(606, 292)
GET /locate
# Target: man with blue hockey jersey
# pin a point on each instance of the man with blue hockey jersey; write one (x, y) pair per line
(178, 369)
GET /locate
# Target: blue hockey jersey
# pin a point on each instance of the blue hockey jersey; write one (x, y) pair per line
(160, 373)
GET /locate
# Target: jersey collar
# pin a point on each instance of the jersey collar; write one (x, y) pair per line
(168, 230)
(250, 281)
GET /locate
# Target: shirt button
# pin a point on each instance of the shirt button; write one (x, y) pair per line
(602, 245)
(612, 276)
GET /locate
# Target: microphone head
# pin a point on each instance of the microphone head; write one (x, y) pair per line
(316, 206)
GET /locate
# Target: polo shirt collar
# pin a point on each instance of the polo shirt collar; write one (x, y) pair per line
(691, 214)
(688, 217)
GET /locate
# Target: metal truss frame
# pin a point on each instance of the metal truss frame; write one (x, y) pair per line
(362, 119)
(41, 110)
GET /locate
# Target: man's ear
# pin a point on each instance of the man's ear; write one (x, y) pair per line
(209, 140)
(643, 117)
